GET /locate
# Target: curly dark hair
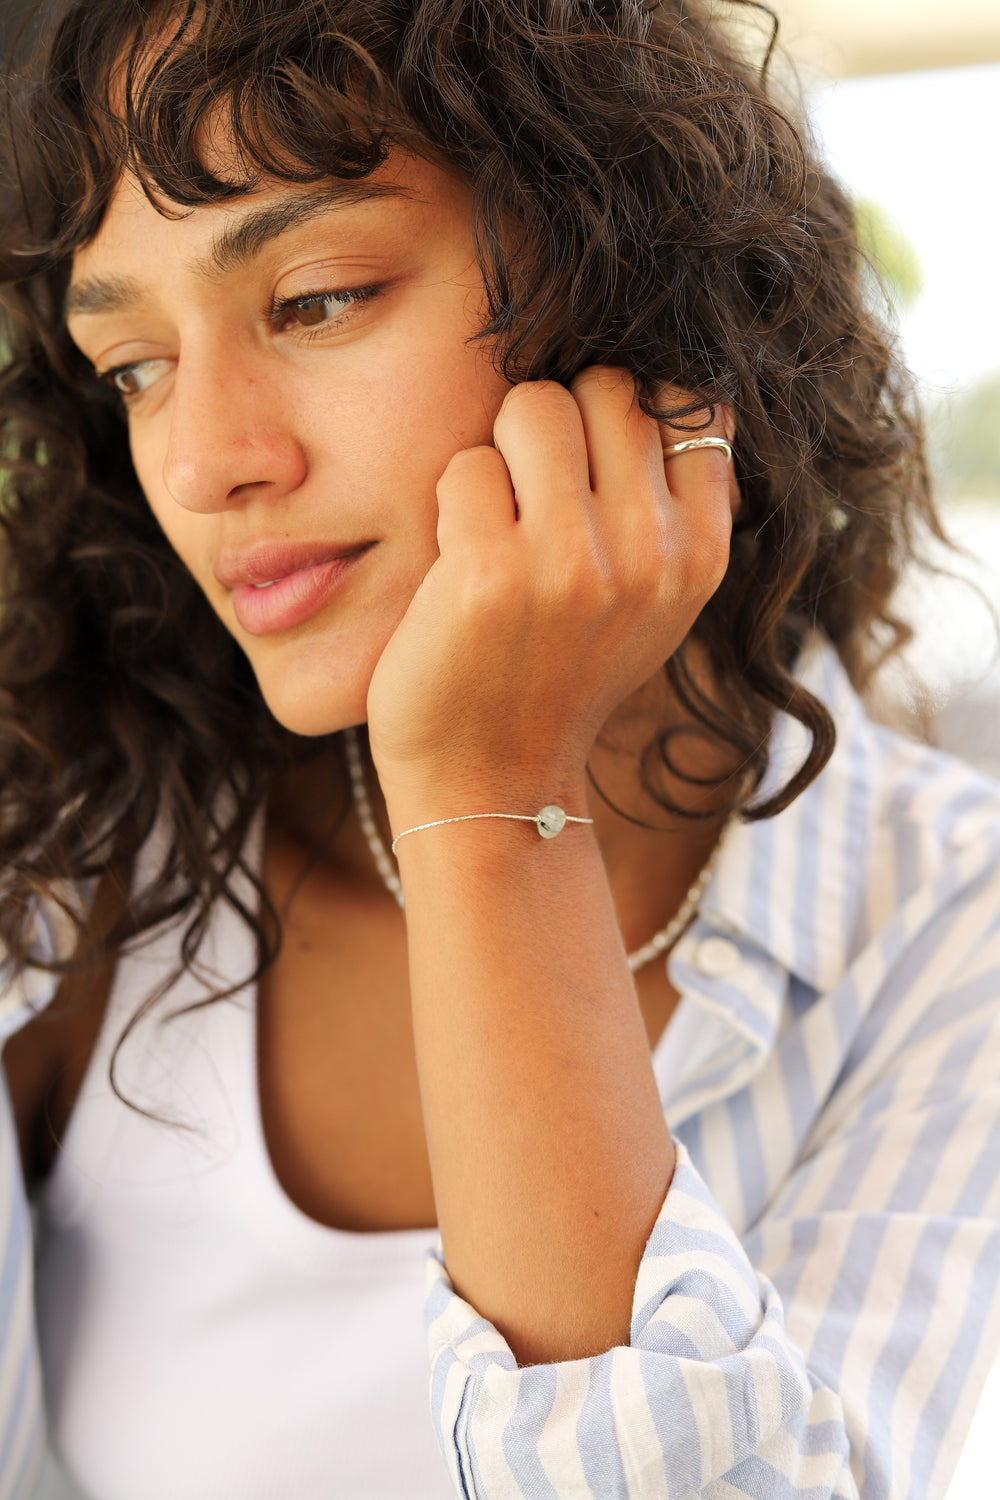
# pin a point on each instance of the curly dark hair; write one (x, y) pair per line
(670, 218)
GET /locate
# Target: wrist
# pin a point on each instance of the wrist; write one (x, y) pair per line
(549, 822)
(489, 808)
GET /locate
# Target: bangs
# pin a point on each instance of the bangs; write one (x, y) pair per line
(159, 91)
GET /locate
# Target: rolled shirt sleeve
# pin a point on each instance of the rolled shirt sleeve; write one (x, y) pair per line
(710, 1388)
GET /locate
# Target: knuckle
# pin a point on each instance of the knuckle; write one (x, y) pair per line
(489, 588)
(711, 556)
(473, 458)
(602, 378)
(640, 575)
(483, 463)
(535, 397)
(645, 540)
(574, 583)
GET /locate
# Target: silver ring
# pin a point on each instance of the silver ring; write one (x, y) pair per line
(705, 442)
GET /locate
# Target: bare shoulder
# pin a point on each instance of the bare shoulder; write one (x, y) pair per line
(46, 1060)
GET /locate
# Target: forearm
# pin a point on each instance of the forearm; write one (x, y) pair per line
(548, 1145)
(568, 573)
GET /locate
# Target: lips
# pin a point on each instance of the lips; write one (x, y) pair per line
(278, 585)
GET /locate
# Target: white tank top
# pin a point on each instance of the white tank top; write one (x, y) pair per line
(202, 1338)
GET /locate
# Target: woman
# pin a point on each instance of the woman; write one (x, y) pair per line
(447, 369)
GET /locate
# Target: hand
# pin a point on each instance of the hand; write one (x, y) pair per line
(569, 570)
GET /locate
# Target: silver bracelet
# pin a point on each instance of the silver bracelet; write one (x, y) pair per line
(549, 822)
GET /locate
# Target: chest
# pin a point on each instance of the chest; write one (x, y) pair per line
(338, 1078)
(337, 1072)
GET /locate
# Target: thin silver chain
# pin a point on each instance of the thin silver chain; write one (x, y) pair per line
(658, 944)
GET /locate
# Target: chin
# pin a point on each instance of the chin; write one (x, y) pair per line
(313, 704)
(315, 679)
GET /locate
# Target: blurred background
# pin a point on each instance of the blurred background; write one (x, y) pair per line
(904, 98)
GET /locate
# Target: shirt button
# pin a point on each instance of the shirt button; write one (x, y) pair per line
(716, 957)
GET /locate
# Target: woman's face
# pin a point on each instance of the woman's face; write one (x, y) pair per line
(296, 373)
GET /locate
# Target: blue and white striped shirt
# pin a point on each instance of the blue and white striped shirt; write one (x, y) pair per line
(817, 1308)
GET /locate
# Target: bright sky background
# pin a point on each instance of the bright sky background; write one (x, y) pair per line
(926, 146)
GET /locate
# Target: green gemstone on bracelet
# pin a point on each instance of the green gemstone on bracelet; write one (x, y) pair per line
(550, 821)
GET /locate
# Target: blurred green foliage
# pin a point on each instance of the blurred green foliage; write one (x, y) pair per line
(963, 428)
(964, 431)
(891, 254)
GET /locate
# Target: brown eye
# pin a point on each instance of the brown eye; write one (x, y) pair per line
(318, 308)
(314, 310)
(132, 380)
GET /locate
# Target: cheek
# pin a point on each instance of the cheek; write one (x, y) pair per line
(184, 534)
(421, 391)
(400, 422)
(180, 527)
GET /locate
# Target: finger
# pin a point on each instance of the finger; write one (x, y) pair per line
(623, 444)
(698, 473)
(708, 421)
(539, 431)
(475, 499)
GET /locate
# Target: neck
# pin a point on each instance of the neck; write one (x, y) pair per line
(652, 856)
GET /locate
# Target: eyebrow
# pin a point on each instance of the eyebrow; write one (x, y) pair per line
(236, 245)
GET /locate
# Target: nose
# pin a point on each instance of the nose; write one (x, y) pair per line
(230, 438)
